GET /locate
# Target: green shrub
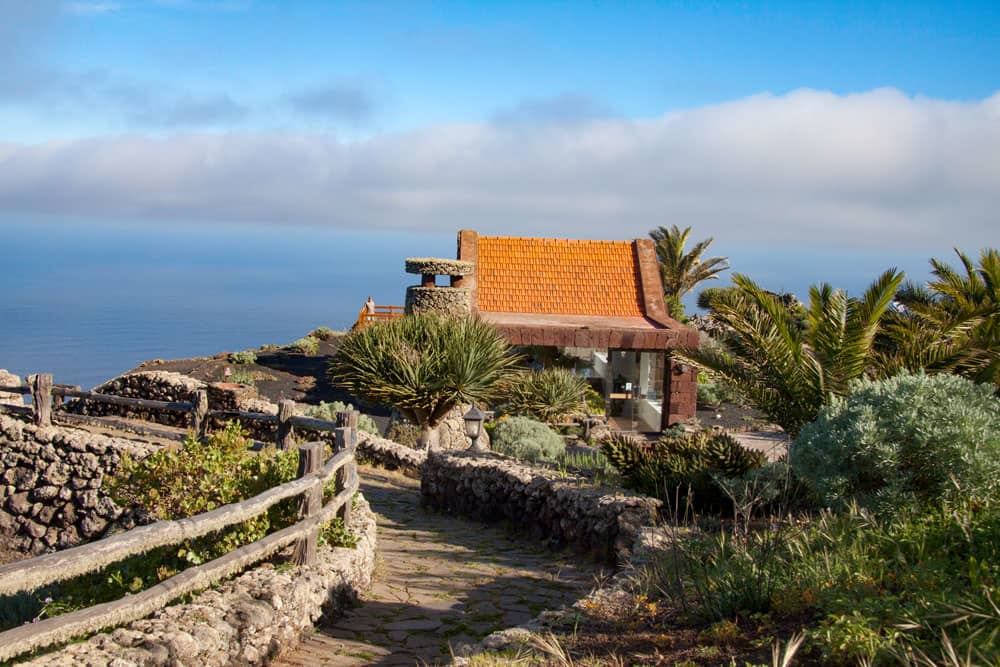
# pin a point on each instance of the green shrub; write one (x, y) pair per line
(328, 411)
(901, 442)
(527, 439)
(713, 392)
(709, 294)
(594, 401)
(243, 376)
(307, 345)
(404, 433)
(323, 333)
(546, 395)
(687, 464)
(244, 357)
(876, 589)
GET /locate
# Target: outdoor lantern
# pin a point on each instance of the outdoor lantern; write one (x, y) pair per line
(474, 426)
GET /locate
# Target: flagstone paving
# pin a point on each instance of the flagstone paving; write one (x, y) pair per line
(440, 582)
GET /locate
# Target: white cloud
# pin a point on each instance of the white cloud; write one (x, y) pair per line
(864, 170)
(92, 8)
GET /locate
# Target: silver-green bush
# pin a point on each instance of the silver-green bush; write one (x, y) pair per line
(328, 411)
(525, 438)
(906, 441)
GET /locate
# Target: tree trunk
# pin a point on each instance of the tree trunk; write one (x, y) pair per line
(430, 438)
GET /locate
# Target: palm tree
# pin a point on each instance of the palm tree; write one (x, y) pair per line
(423, 365)
(952, 325)
(787, 370)
(681, 271)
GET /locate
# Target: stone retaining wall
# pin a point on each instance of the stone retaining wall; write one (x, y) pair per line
(245, 621)
(50, 483)
(389, 454)
(560, 510)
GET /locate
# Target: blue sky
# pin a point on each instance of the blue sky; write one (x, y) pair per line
(842, 130)
(358, 69)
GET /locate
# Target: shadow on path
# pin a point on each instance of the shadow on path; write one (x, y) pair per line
(440, 582)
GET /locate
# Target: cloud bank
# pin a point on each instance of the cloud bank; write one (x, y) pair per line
(861, 170)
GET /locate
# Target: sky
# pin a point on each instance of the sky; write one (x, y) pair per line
(822, 138)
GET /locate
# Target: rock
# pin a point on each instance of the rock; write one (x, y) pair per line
(91, 526)
(19, 504)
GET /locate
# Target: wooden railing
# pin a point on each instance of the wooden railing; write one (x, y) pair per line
(45, 394)
(381, 314)
(313, 476)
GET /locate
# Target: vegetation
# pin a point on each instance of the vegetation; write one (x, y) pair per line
(546, 395)
(714, 392)
(682, 271)
(594, 401)
(786, 371)
(323, 333)
(904, 590)
(424, 365)
(901, 443)
(176, 483)
(404, 433)
(308, 345)
(952, 325)
(686, 466)
(243, 376)
(244, 357)
(328, 411)
(527, 439)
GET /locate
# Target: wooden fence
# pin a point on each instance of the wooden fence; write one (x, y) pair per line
(45, 395)
(313, 476)
(381, 314)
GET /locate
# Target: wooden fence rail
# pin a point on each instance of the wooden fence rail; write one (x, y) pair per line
(43, 392)
(50, 568)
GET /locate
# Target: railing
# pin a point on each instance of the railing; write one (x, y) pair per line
(45, 394)
(381, 314)
(313, 476)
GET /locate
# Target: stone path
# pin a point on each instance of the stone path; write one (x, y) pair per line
(440, 582)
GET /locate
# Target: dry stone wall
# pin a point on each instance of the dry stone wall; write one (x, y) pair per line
(389, 454)
(560, 510)
(51, 480)
(245, 621)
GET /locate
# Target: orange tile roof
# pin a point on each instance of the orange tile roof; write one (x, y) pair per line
(558, 276)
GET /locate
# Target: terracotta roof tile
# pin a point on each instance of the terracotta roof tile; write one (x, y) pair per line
(558, 276)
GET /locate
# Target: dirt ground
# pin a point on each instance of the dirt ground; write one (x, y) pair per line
(279, 374)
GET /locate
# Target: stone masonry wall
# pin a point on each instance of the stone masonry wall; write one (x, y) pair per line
(559, 510)
(247, 620)
(50, 483)
(445, 300)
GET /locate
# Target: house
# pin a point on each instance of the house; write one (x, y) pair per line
(596, 304)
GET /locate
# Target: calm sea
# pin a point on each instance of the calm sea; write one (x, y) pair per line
(89, 301)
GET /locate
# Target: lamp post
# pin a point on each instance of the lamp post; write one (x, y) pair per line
(473, 427)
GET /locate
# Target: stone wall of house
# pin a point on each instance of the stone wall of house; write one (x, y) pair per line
(51, 480)
(559, 510)
(247, 620)
(445, 300)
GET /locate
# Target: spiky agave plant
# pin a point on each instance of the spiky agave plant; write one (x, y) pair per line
(424, 365)
(546, 395)
(786, 370)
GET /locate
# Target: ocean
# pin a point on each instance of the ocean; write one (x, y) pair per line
(87, 301)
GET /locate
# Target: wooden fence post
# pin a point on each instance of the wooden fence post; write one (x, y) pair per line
(349, 419)
(199, 416)
(283, 438)
(345, 438)
(41, 396)
(310, 461)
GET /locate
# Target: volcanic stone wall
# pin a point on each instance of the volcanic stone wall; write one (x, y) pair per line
(560, 510)
(51, 481)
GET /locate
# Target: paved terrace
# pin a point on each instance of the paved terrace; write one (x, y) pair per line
(441, 582)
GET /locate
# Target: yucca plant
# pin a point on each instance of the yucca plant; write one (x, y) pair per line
(952, 325)
(680, 270)
(787, 370)
(423, 365)
(546, 395)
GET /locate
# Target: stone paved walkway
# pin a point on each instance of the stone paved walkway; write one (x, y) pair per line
(440, 582)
